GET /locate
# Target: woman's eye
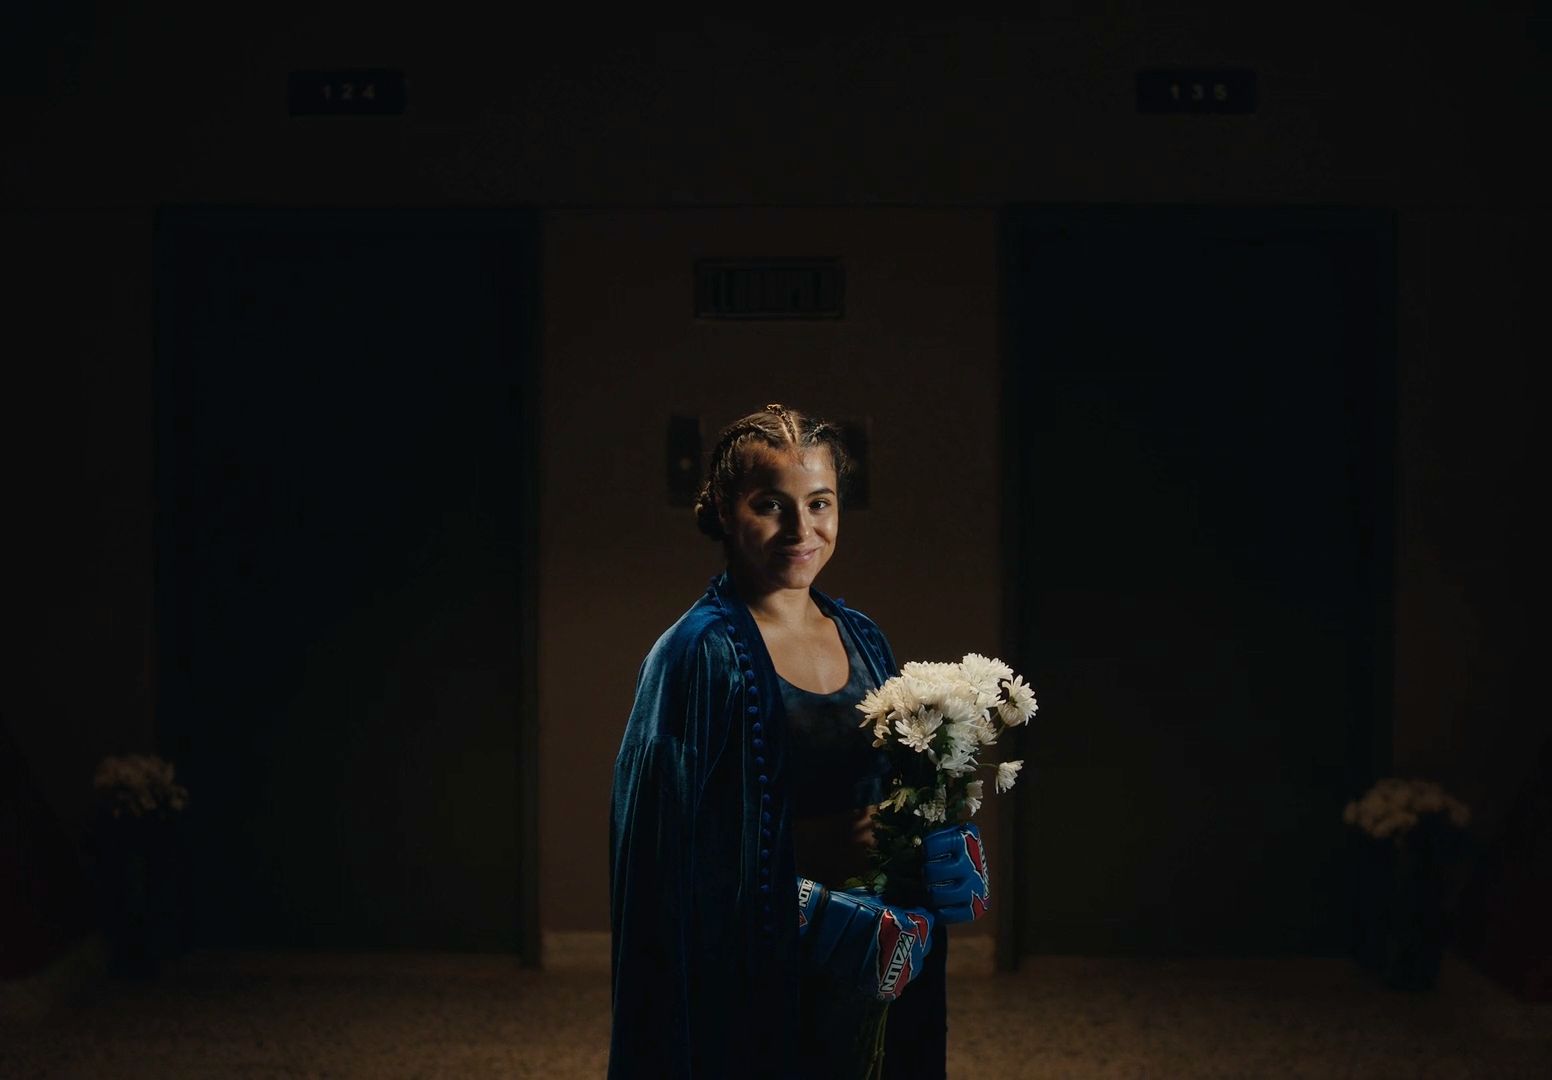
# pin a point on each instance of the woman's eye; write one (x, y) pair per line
(819, 504)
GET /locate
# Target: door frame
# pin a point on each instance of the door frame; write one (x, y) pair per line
(521, 229)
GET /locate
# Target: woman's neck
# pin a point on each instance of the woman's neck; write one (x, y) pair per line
(789, 608)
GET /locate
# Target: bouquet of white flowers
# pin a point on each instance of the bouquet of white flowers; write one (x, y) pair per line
(139, 785)
(1408, 885)
(933, 720)
(136, 851)
(1393, 806)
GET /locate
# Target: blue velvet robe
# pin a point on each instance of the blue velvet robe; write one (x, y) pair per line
(703, 900)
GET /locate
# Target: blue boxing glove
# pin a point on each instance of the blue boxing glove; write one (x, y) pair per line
(959, 889)
(861, 941)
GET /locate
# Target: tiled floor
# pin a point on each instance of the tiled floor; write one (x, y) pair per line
(420, 1015)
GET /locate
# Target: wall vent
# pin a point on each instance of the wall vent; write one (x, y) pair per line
(769, 289)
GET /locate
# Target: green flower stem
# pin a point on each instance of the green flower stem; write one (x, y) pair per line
(871, 1042)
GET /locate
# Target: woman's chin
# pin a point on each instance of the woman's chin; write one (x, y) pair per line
(778, 573)
(792, 577)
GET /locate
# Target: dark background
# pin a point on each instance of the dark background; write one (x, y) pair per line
(1216, 425)
(1202, 554)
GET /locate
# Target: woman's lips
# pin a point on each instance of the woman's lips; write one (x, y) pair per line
(797, 556)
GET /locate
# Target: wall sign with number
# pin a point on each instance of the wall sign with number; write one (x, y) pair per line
(356, 92)
(1196, 90)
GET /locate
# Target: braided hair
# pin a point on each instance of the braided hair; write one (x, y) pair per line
(776, 427)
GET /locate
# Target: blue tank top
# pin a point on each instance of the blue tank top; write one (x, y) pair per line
(833, 766)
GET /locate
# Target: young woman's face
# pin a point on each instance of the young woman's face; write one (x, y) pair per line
(782, 524)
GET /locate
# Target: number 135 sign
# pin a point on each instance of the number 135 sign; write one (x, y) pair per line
(1196, 90)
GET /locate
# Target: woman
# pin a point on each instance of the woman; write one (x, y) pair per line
(741, 794)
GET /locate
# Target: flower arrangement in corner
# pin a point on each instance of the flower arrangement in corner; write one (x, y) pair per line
(139, 786)
(1392, 807)
(1412, 881)
(933, 720)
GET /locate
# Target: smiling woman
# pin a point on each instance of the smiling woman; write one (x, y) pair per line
(781, 530)
(743, 793)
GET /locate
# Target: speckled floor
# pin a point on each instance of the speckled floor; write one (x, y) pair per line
(297, 1015)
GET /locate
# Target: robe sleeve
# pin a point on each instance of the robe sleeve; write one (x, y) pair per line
(654, 886)
(649, 895)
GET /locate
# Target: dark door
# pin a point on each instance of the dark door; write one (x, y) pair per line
(344, 500)
(1200, 410)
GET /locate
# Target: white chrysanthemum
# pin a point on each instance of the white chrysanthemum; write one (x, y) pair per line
(873, 707)
(985, 673)
(1374, 808)
(1007, 773)
(960, 746)
(1399, 821)
(961, 733)
(985, 730)
(916, 731)
(1392, 789)
(904, 695)
(973, 796)
(875, 710)
(960, 701)
(139, 784)
(934, 810)
(1020, 704)
(1393, 806)
(958, 759)
(930, 671)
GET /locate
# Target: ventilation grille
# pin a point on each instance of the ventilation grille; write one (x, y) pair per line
(769, 289)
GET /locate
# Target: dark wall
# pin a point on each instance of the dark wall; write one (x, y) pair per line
(175, 104)
(130, 111)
